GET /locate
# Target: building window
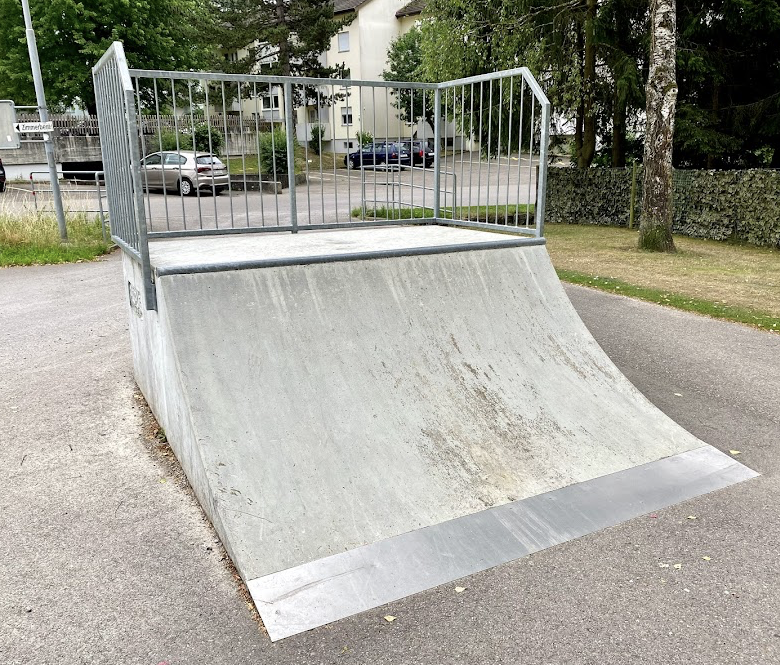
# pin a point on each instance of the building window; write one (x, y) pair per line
(346, 115)
(348, 144)
(270, 102)
(343, 42)
(313, 115)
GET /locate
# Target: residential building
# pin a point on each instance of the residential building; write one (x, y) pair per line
(362, 48)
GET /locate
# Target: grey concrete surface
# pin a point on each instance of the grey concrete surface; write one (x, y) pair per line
(329, 406)
(183, 254)
(113, 566)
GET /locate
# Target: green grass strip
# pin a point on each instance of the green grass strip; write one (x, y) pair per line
(28, 255)
(686, 303)
(31, 239)
(474, 212)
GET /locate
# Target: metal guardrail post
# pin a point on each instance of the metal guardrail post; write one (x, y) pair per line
(437, 154)
(541, 185)
(454, 194)
(138, 203)
(289, 131)
(35, 198)
(362, 190)
(100, 204)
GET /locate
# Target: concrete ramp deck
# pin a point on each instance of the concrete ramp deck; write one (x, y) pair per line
(368, 413)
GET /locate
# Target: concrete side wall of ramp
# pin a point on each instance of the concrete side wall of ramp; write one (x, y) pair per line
(321, 408)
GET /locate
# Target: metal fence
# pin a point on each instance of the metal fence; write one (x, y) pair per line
(70, 125)
(120, 149)
(317, 153)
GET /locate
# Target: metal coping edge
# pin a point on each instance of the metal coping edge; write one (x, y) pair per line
(228, 266)
(314, 594)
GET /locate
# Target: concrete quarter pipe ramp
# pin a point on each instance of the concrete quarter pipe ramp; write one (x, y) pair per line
(367, 413)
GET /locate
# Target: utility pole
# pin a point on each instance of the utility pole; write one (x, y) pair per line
(40, 97)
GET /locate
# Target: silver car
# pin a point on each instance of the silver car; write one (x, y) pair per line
(184, 172)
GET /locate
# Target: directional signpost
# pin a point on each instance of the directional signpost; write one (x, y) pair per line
(43, 111)
(9, 137)
(33, 127)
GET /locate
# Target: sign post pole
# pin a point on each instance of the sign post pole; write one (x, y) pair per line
(32, 48)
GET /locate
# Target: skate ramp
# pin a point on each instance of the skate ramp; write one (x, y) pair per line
(365, 414)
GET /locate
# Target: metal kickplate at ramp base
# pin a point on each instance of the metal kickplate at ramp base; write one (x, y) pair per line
(314, 594)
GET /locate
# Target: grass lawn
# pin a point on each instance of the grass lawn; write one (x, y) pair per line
(29, 239)
(248, 165)
(474, 213)
(720, 279)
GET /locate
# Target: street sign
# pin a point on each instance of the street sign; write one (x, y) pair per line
(9, 138)
(33, 127)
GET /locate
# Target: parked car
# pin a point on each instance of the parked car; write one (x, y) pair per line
(2, 176)
(184, 172)
(376, 154)
(421, 151)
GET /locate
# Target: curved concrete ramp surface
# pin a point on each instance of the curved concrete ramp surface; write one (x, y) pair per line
(361, 424)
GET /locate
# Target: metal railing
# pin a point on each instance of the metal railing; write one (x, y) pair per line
(120, 148)
(71, 184)
(488, 135)
(70, 125)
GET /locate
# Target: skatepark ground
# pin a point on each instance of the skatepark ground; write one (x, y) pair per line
(106, 556)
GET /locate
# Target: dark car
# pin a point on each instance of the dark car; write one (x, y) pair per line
(2, 176)
(376, 154)
(421, 151)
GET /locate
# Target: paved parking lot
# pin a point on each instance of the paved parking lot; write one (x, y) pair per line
(328, 197)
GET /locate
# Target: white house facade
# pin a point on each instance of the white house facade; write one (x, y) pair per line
(362, 48)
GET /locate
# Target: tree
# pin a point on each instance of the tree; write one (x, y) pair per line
(405, 63)
(655, 228)
(73, 34)
(621, 34)
(585, 53)
(283, 37)
(728, 107)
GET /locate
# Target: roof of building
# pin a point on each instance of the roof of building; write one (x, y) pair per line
(412, 9)
(341, 6)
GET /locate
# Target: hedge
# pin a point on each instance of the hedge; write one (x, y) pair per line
(718, 205)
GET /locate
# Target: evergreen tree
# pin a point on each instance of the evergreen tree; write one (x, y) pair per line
(283, 37)
(585, 53)
(729, 77)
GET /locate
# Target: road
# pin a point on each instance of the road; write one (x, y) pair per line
(328, 197)
(106, 557)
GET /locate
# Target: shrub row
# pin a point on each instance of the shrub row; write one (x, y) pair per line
(718, 205)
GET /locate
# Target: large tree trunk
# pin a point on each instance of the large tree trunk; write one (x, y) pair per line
(581, 106)
(619, 132)
(284, 46)
(714, 116)
(589, 87)
(655, 229)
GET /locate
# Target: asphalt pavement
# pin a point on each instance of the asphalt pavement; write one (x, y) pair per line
(105, 556)
(326, 197)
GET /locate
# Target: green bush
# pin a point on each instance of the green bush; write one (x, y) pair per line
(317, 132)
(166, 139)
(364, 138)
(742, 205)
(273, 143)
(202, 139)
